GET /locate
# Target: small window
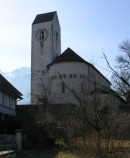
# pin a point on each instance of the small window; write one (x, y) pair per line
(60, 76)
(57, 36)
(74, 75)
(63, 87)
(12, 103)
(43, 72)
(64, 76)
(81, 76)
(70, 75)
(82, 87)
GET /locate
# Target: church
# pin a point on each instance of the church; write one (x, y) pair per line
(60, 77)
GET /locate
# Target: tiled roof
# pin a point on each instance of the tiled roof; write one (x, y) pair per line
(70, 56)
(8, 87)
(44, 17)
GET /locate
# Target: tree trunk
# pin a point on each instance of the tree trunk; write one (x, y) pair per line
(98, 143)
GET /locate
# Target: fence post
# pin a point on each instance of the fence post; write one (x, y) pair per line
(19, 139)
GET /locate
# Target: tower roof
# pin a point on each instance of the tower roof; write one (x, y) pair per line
(44, 17)
(70, 56)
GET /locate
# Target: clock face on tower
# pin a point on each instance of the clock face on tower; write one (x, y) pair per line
(41, 35)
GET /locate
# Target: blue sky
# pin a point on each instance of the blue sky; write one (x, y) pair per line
(89, 27)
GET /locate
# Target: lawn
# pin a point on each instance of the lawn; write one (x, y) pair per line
(65, 154)
(118, 146)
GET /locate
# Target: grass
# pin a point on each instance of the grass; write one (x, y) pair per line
(104, 143)
(113, 149)
(80, 151)
(66, 154)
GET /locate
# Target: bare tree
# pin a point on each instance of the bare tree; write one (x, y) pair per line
(93, 110)
(121, 76)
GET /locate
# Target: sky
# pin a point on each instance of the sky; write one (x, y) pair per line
(89, 27)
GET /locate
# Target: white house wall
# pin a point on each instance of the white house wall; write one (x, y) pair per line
(73, 74)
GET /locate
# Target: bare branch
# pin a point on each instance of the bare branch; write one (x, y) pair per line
(120, 77)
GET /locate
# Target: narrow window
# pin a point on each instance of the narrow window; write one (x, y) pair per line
(70, 75)
(82, 87)
(57, 36)
(60, 76)
(63, 87)
(42, 36)
(64, 76)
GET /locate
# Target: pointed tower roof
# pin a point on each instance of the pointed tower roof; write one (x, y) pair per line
(44, 17)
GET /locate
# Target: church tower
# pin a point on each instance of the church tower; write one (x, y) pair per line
(45, 47)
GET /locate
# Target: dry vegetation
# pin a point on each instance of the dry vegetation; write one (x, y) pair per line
(117, 149)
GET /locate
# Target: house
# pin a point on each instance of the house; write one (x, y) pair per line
(9, 96)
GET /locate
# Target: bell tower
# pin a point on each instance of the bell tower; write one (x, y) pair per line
(45, 47)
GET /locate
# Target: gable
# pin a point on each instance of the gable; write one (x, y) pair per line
(6, 86)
